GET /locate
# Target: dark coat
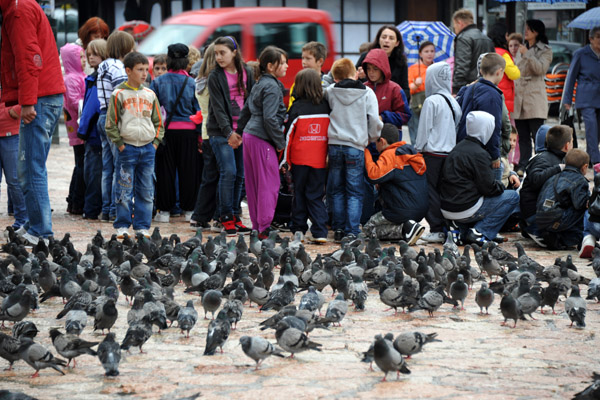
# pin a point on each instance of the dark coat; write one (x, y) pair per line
(469, 44)
(90, 112)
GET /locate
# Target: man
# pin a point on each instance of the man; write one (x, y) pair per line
(32, 77)
(400, 173)
(469, 44)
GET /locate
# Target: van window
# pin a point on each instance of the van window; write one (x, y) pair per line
(226, 30)
(159, 40)
(288, 36)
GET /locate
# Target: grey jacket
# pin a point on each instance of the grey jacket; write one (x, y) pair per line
(469, 44)
(264, 112)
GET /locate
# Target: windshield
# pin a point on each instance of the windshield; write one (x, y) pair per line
(165, 35)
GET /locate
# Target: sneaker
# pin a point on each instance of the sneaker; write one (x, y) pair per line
(195, 225)
(241, 228)
(265, 234)
(162, 216)
(338, 235)
(412, 231)
(319, 240)
(30, 240)
(104, 217)
(229, 225)
(217, 227)
(538, 240)
(188, 216)
(473, 236)
(91, 217)
(144, 232)
(434, 237)
(280, 226)
(121, 233)
(21, 231)
(500, 239)
(587, 246)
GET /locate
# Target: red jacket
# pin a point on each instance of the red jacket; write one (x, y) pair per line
(391, 98)
(8, 125)
(30, 66)
(306, 134)
(506, 85)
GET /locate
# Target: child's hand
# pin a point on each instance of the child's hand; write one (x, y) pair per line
(418, 81)
(514, 181)
(153, 144)
(122, 147)
(13, 113)
(496, 164)
(234, 140)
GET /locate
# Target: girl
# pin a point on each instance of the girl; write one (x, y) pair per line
(178, 154)
(229, 84)
(111, 73)
(416, 82)
(515, 40)
(261, 122)
(306, 153)
(73, 59)
(88, 131)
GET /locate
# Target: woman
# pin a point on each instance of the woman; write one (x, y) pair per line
(93, 28)
(584, 69)
(389, 39)
(416, 82)
(531, 103)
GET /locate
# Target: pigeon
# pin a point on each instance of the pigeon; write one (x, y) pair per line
(530, 301)
(490, 265)
(484, 298)
(211, 301)
(109, 354)
(38, 357)
(258, 348)
(368, 356)
(432, 300)
(311, 300)
(293, 340)
(576, 307)
(550, 296)
(9, 349)
(106, 316)
(459, 290)
(280, 298)
(79, 301)
(594, 289)
(138, 333)
(187, 317)
(510, 308)
(16, 305)
(24, 329)
(71, 346)
(8, 395)
(217, 334)
(234, 310)
(75, 322)
(388, 358)
(592, 392)
(410, 343)
(336, 310)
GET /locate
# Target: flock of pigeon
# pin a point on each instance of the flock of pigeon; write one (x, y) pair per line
(231, 275)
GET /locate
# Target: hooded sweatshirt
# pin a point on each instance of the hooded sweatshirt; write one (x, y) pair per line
(70, 54)
(354, 118)
(440, 114)
(467, 176)
(392, 102)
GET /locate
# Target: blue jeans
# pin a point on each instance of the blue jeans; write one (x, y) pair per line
(92, 171)
(9, 149)
(346, 181)
(135, 180)
(230, 163)
(109, 161)
(493, 213)
(591, 119)
(34, 145)
(589, 227)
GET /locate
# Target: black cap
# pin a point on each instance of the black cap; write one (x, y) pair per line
(390, 133)
(178, 50)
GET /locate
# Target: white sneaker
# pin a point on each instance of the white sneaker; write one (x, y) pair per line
(30, 239)
(434, 237)
(319, 240)
(587, 246)
(121, 233)
(144, 232)
(162, 216)
(21, 231)
(538, 240)
(188, 216)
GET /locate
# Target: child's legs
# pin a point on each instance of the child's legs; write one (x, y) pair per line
(300, 176)
(434, 172)
(226, 162)
(144, 187)
(251, 182)
(78, 198)
(107, 167)
(126, 163)
(238, 187)
(527, 129)
(314, 193)
(355, 163)
(336, 185)
(92, 168)
(495, 211)
(189, 168)
(165, 162)
(206, 201)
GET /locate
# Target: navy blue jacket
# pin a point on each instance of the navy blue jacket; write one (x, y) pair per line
(167, 88)
(89, 114)
(570, 188)
(482, 96)
(585, 69)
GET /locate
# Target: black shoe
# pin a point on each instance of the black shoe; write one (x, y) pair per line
(241, 228)
(199, 225)
(473, 236)
(500, 239)
(412, 231)
(338, 235)
(229, 225)
(104, 217)
(94, 217)
(280, 226)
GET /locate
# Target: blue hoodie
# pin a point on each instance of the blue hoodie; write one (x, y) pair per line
(89, 114)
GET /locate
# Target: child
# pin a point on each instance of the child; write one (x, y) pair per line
(354, 122)
(135, 127)
(436, 138)
(513, 154)
(73, 60)
(562, 203)
(193, 57)
(515, 40)
(229, 84)
(261, 123)
(313, 57)
(110, 74)
(88, 131)
(159, 67)
(484, 95)
(306, 152)
(416, 81)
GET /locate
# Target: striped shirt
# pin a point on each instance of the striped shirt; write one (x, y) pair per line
(111, 73)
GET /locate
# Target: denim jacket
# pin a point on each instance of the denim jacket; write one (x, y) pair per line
(167, 88)
(570, 188)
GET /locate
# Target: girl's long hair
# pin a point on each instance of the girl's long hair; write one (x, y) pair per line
(398, 52)
(232, 44)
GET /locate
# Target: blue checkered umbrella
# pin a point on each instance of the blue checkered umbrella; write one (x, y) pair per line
(416, 32)
(544, 1)
(588, 20)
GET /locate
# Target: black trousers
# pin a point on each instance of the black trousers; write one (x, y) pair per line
(527, 129)
(179, 154)
(76, 197)
(206, 201)
(309, 191)
(435, 165)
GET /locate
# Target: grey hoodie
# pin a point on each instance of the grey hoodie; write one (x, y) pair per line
(354, 118)
(480, 125)
(437, 126)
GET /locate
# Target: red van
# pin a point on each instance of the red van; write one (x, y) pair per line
(253, 27)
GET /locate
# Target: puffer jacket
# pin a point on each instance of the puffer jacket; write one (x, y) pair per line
(469, 44)
(167, 88)
(90, 112)
(400, 173)
(511, 74)
(531, 100)
(75, 89)
(30, 67)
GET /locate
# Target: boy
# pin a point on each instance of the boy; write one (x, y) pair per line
(562, 203)
(159, 67)
(540, 168)
(436, 138)
(484, 95)
(400, 174)
(135, 126)
(354, 122)
(313, 57)
(469, 193)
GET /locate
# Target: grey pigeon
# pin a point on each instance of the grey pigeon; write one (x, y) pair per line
(310, 300)
(75, 321)
(24, 329)
(109, 354)
(576, 307)
(106, 316)
(234, 310)
(79, 301)
(293, 340)
(38, 357)
(258, 348)
(510, 308)
(490, 265)
(592, 392)
(280, 297)
(550, 296)
(217, 334)
(211, 301)
(257, 295)
(9, 349)
(410, 343)
(530, 301)
(187, 317)
(16, 305)
(432, 300)
(137, 334)
(71, 346)
(8, 395)
(484, 298)
(388, 359)
(336, 310)
(459, 290)
(369, 355)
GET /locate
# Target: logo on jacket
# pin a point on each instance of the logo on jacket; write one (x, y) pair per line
(314, 129)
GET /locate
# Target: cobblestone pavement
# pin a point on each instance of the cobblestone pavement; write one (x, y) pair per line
(477, 357)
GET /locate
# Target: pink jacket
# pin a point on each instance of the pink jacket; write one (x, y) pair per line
(75, 88)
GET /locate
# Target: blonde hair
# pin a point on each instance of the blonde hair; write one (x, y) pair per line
(343, 69)
(119, 43)
(193, 57)
(490, 63)
(97, 47)
(464, 15)
(208, 63)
